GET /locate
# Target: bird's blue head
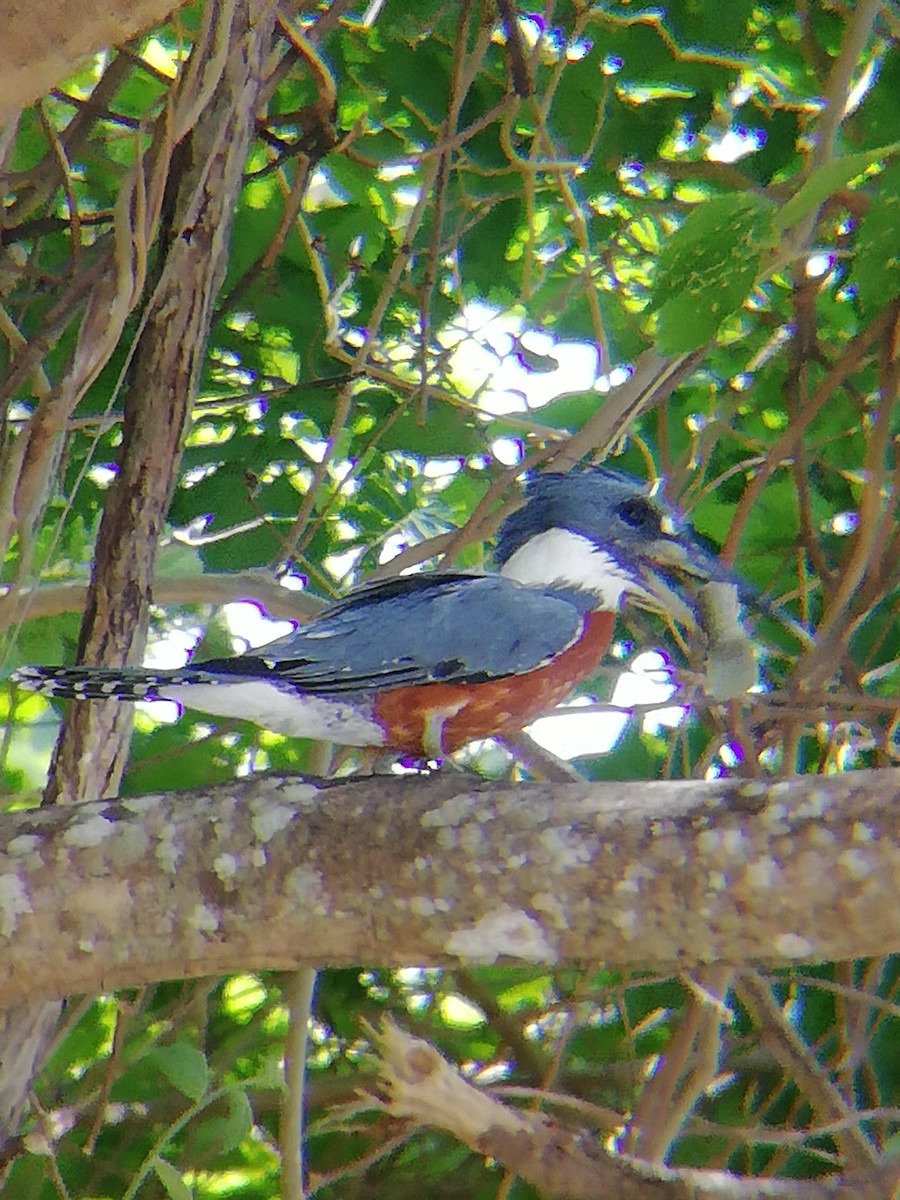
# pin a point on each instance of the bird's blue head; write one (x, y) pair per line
(601, 531)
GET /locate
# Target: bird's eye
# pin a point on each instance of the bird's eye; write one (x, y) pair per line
(639, 513)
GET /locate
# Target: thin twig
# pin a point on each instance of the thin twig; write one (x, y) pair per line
(298, 994)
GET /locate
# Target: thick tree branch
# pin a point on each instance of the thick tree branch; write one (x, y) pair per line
(279, 872)
(43, 44)
(18, 605)
(422, 1087)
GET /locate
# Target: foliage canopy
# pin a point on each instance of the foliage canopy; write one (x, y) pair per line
(464, 245)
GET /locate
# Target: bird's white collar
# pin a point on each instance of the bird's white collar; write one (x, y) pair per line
(568, 559)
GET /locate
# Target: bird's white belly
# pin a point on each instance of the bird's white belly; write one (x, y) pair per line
(281, 711)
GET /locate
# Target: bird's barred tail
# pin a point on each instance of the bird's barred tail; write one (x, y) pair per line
(101, 683)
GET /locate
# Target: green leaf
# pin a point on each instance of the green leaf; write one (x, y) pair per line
(340, 227)
(530, 992)
(175, 560)
(569, 411)
(45, 640)
(247, 548)
(886, 681)
(431, 430)
(825, 181)
(484, 246)
(167, 748)
(875, 270)
(222, 1134)
(172, 1180)
(184, 1066)
(708, 268)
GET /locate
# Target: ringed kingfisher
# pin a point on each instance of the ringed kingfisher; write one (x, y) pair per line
(424, 663)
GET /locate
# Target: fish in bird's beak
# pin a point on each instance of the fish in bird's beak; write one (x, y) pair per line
(685, 582)
(673, 571)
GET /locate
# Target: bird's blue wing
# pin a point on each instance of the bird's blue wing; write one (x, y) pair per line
(417, 629)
